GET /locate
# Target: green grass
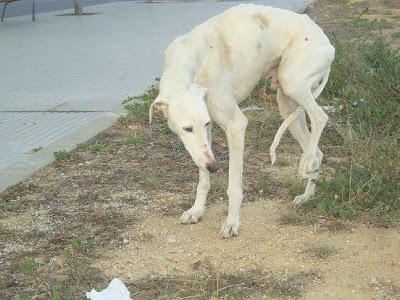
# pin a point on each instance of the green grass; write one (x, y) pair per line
(165, 131)
(141, 107)
(135, 140)
(365, 82)
(9, 205)
(97, 147)
(28, 266)
(62, 155)
(294, 186)
(218, 189)
(282, 162)
(151, 181)
(79, 245)
(264, 185)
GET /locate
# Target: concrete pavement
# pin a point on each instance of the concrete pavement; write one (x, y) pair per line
(62, 79)
(20, 8)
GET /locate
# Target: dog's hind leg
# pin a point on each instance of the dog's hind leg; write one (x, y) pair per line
(305, 97)
(303, 70)
(311, 182)
(195, 213)
(299, 130)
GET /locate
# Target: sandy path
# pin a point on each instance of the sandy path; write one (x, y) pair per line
(361, 263)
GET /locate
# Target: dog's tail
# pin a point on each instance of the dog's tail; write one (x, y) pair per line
(285, 124)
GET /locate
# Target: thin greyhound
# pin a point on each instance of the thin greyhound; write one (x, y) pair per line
(210, 70)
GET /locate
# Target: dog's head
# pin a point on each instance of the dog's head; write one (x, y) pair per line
(188, 117)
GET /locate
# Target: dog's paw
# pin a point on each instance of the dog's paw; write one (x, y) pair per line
(230, 228)
(309, 164)
(299, 200)
(192, 215)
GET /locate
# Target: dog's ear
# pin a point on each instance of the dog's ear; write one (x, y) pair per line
(158, 104)
(198, 90)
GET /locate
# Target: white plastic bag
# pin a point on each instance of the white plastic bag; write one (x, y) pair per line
(116, 290)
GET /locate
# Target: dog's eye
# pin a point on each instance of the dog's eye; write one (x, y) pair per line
(188, 129)
(207, 124)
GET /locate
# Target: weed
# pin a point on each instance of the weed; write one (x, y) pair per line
(218, 188)
(104, 179)
(134, 140)
(12, 188)
(151, 182)
(75, 277)
(364, 81)
(320, 252)
(282, 162)
(83, 146)
(218, 132)
(36, 149)
(269, 123)
(3, 229)
(79, 245)
(165, 131)
(22, 296)
(264, 185)
(179, 146)
(128, 99)
(8, 205)
(62, 155)
(97, 147)
(65, 280)
(141, 107)
(258, 95)
(124, 120)
(296, 219)
(28, 266)
(396, 35)
(294, 186)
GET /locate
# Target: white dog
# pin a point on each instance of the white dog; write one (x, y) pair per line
(210, 70)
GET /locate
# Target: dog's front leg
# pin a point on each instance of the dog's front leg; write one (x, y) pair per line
(235, 132)
(194, 214)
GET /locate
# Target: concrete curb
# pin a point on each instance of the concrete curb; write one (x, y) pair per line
(35, 161)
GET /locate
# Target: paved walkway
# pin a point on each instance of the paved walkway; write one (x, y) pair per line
(62, 78)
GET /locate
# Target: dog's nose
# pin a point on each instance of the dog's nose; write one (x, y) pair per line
(212, 167)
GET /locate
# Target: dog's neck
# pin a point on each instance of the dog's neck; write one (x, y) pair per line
(180, 66)
(176, 78)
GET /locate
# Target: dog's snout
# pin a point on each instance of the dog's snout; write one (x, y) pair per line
(212, 167)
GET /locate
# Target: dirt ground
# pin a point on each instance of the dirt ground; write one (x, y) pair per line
(115, 203)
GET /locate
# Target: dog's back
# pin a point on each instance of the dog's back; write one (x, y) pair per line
(240, 45)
